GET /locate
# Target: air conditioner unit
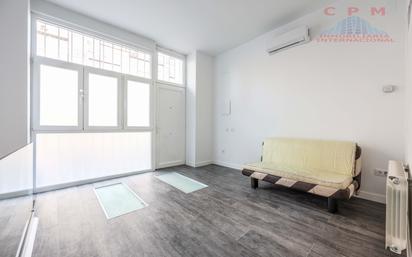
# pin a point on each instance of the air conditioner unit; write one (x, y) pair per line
(289, 39)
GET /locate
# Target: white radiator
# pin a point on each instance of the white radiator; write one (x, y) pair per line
(396, 207)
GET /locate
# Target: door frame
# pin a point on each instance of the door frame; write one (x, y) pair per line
(165, 86)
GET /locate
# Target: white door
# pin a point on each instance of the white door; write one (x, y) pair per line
(170, 126)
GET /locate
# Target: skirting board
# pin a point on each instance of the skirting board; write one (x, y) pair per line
(26, 244)
(371, 197)
(169, 164)
(16, 194)
(88, 181)
(31, 236)
(362, 194)
(70, 184)
(228, 165)
(199, 164)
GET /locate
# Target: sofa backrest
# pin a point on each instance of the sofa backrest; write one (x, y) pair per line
(308, 155)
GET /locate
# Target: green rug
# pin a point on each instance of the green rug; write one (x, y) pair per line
(181, 182)
(118, 199)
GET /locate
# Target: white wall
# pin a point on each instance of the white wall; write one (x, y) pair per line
(408, 95)
(16, 172)
(191, 110)
(408, 155)
(199, 110)
(14, 75)
(318, 90)
(204, 114)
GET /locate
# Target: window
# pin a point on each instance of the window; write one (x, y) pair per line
(82, 82)
(102, 103)
(138, 104)
(57, 95)
(60, 43)
(169, 69)
(65, 94)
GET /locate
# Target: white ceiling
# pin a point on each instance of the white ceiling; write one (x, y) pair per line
(211, 26)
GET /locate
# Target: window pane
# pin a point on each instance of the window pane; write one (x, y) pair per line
(58, 96)
(57, 42)
(103, 96)
(170, 69)
(40, 45)
(52, 47)
(64, 50)
(138, 104)
(77, 48)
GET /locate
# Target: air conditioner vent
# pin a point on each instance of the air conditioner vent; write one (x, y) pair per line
(289, 39)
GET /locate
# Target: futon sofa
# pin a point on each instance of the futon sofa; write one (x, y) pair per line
(330, 169)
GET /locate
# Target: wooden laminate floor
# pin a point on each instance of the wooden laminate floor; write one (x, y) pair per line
(13, 217)
(226, 219)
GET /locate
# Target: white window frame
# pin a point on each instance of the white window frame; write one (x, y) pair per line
(173, 54)
(92, 33)
(83, 72)
(38, 61)
(126, 78)
(118, 76)
(83, 111)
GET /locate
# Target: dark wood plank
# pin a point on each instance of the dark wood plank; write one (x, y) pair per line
(227, 218)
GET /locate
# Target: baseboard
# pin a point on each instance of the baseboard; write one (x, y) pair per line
(44, 189)
(371, 197)
(409, 247)
(228, 165)
(16, 194)
(191, 164)
(26, 244)
(198, 164)
(203, 163)
(169, 164)
(31, 237)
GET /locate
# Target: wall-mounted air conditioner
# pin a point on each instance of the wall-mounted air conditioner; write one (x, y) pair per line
(289, 39)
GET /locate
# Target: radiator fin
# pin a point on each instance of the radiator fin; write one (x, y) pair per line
(396, 207)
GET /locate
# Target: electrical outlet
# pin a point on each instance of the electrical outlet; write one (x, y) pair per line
(380, 172)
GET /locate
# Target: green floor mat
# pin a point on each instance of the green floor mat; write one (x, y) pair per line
(181, 182)
(118, 199)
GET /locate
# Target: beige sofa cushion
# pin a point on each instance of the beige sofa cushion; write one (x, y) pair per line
(319, 158)
(328, 179)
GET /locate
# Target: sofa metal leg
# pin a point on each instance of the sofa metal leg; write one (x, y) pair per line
(332, 205)
(254, 183)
